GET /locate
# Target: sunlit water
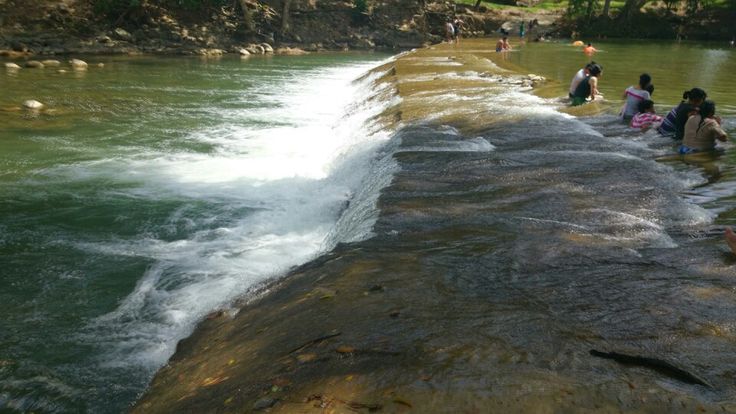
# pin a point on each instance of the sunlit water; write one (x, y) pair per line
(158, 190)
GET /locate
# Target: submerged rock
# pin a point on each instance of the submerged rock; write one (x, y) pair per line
(51, 62)
(11, 66)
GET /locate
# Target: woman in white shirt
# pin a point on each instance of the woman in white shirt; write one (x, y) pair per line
(634, 95)
(579, 76)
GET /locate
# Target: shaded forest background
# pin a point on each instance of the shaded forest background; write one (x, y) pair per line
(211, 27)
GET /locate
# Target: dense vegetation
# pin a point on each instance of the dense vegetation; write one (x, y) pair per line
(669, 19)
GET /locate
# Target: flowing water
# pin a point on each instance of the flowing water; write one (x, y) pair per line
(154, 191)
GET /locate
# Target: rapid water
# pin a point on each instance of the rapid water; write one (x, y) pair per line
(154, 191)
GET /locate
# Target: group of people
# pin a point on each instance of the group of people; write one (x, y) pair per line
(693, 121)
(453, 29)
(503, 44)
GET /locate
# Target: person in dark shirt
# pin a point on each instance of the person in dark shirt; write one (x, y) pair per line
(674, 123)
(588, 87)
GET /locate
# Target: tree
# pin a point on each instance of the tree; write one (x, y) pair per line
(630, 8)
(285, 17)
(606, 9)
(248, 10)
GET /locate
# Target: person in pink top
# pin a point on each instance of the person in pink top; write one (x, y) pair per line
(634, 95)
(646, 117)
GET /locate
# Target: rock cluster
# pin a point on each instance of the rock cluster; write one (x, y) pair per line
(60, 27)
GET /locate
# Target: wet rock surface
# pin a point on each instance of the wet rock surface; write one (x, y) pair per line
(491, 275)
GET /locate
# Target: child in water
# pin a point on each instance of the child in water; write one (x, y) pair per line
(702, 130)
(646, 117)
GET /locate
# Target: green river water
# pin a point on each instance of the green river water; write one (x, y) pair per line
(151, 191)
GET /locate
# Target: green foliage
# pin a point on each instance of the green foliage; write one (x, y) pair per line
(552, 5)
(112, 7)
(199, 4)
(576, 8)
(360, 10)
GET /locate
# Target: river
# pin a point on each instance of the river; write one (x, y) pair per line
(153, 191)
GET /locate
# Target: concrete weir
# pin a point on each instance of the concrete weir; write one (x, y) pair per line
(505, 250)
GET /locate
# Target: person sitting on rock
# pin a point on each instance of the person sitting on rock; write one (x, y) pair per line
(588, 87)
(702, 130)
(674, 123)
(634, 95)
(579, 76)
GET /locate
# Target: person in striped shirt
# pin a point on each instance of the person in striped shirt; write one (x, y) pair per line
(646, 117)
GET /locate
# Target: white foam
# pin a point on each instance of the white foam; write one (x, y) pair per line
(290, 181)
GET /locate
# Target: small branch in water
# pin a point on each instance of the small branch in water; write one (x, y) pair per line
(658, 365)
(314, 341)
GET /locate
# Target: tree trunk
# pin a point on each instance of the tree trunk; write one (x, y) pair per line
(477, 4)
(631, 7)
(606, 9)
(250, 25)
(285, 17)
(589, 12)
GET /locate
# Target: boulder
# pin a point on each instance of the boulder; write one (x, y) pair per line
(11, 66)
(255, 49)
(34, 64)
(266, 48)
(122, 34)
(209, 52)
(243, 52)
(32, 104)
(290, 51)
(51, 63)
(362, 43)
(78, 64)
(104, 39)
